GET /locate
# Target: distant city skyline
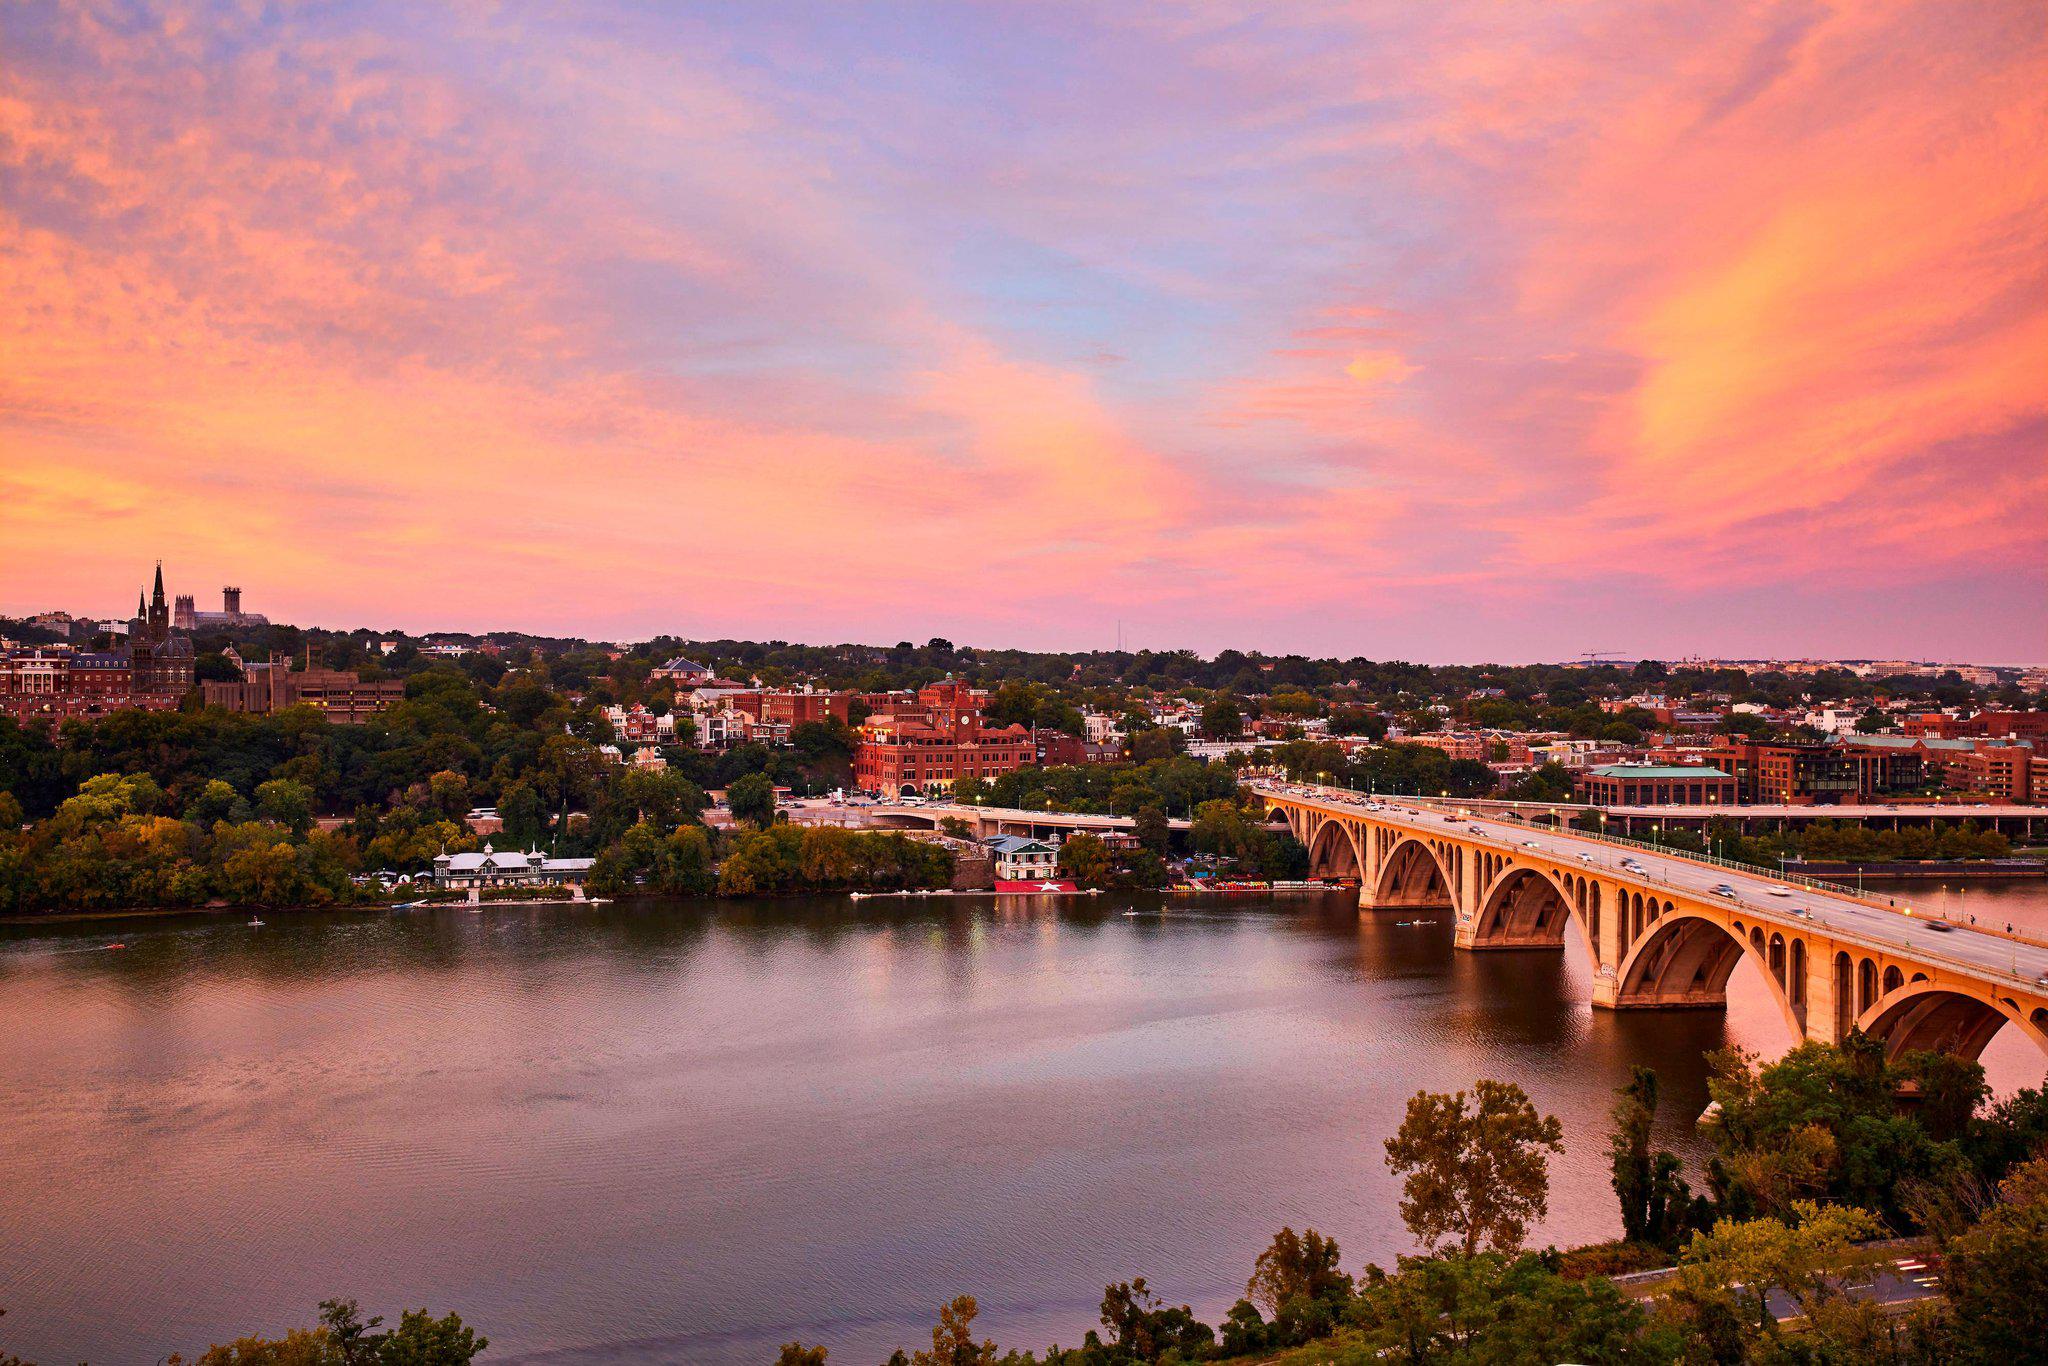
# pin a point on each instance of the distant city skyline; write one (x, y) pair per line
(212, 620)
(1451, 333)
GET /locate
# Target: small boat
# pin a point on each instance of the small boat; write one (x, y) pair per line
(117, 946)
(856, 895)
(255, 921)
(1407, 924)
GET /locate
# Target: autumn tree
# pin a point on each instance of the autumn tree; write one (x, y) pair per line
(1474, 1169)
(953, 1341)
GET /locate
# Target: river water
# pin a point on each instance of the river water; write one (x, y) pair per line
(690, 1131)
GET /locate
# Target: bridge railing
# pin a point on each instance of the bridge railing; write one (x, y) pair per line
(1831, 889)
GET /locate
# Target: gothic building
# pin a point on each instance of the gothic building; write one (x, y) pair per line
(160, 658)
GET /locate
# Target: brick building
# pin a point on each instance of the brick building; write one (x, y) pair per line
(151, 670)
(929, 744)
(1656, 785)
(1790, 775)
(340, 696)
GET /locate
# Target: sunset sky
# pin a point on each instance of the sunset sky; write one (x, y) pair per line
(1446, 331)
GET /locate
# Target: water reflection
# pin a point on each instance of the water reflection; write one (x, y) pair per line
(679, 1132)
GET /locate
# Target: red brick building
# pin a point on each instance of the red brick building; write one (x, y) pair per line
(2015, 725)
(932, 743)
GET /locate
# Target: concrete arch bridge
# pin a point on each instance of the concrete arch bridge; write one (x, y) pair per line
(1667, 930)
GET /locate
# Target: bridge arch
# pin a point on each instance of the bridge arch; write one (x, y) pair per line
(1957, 1017)
(1685, 958)
(1521, 907)
(1413, 873)
(1333, 851)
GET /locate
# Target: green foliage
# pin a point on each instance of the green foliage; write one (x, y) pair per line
(1141, 1329)
(1656, 1206)
(1996, 1275)
(1824, 1123)
(345, 1338)
(677, 863)
(1493, 1308)
(1174, 785)
(1086, 859)
(1224, 829)
(1222, 718)
(1475, 1174)
(752, 799)
(1840, 842)
(1720, 1295)
(1415, 769)
(1297, 1267)
(827, 858)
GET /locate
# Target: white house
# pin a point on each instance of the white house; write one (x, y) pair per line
(510, 869)
(1020, 859)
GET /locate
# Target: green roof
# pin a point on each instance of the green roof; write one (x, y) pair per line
(1658, 771)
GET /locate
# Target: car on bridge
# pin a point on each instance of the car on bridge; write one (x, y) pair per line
(1725, 890)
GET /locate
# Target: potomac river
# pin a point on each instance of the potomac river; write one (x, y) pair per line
(688, 1131)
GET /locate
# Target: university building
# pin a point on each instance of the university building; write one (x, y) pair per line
(931, 743)
(339, 695)
(152, 670)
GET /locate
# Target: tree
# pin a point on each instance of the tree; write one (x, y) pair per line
(1141, 1328)
(1474, 1177)
(1873, 722)
(1655, 1203)
(1155, 742)
(1151, 829)
(217, 801)
(1297, 1266)
(796, 1354)
(423, 1340)
(1996, 1275)
(448, 793)
(1721, 1293)
(1492, 1308)
(288, 803)
(1085, 859)
(953, 1341)
(1222, 719)
(752, 799)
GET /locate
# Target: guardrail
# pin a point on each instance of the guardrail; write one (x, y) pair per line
(1348, 797)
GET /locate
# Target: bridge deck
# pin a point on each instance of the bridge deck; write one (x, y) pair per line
(1990, 958)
